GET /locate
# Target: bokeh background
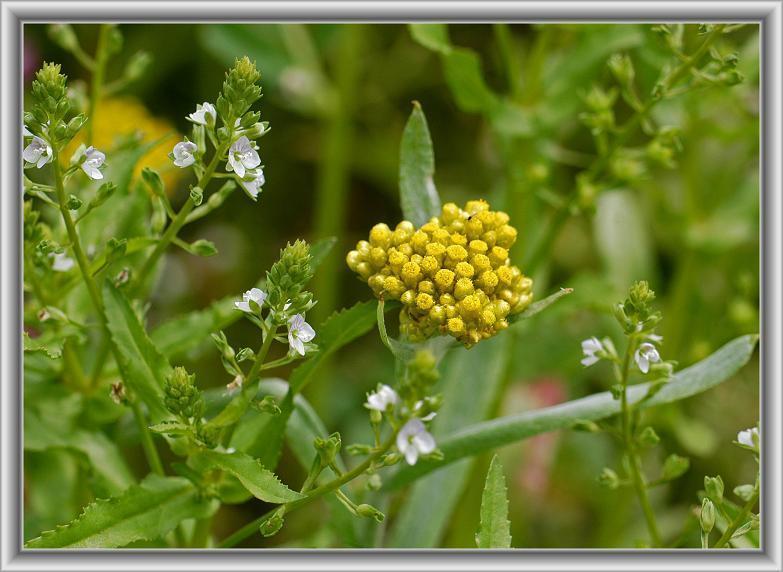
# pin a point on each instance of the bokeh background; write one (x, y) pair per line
(337, 98)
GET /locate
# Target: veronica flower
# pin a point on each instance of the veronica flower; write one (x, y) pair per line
(92, 162)
(253, 295)
(38, 152)
(61, 262)
(253, 186)
(184, 153)
(749, 438)
(242, 156)
(414, 440)
(203, 110)
(645, 355)
(381, 399)
(299, 332)
(590, 347)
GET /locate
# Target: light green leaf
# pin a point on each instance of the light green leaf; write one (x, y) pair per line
(143, 512)
(432, 36)
(466, 80)
(470, 384)
(540, 306)
(143, 368)
(260, 482)
(480, 437)
(494, 529)
(418, 195)
(53, 348)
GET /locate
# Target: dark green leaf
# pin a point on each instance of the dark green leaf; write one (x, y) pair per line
(494, 529)
(466, 80)
(418, 195)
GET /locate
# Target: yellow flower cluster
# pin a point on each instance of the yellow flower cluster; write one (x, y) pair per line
(452, 275)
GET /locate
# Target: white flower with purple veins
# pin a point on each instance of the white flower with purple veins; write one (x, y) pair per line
(92, 162)
(299, 332)
(38, 152)
(590, 347)
(749, 438)
(414, 440)
(253, 186)
(205, 114)
(184, 153)
(253, 295)
(242, 157)
(381, 399)
(61, 262)
(645, 355)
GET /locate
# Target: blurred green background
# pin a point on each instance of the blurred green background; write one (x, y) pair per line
(337, 98)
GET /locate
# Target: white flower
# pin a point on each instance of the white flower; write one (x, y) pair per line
(414, 440)
(253, 186)
(299, 332)
(61, 262)
(26, 132)
(749, 438)
(91, 165)
(645, 355)
(417, 410)
(381, 399)
(184, 153)
(255, 295)
(38, 152)
(590, 347)
(242, 156)
(200, 115)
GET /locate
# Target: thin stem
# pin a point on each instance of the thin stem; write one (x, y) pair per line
(98, 70)
(200, 538)
(738, 521)
(146, 440)
(339, 481)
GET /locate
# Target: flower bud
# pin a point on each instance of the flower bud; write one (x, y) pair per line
(137, 65)
(714, 488)
(181, 396)
(273, 524)
(648, 437)
(674, 466)
(64, 36)
(328, 448)
(609, 479)
(707, 515)
(74, 203)
(369, 511)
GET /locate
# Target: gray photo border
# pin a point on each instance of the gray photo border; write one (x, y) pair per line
(13, 14)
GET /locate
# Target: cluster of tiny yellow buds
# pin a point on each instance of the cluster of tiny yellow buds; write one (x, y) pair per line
(452, 275)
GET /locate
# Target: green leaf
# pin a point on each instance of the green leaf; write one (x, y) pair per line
(426, 512)
(260, 482)
(418, 195)
(466, 80)
(53, 348)
(480, 437)
(143, 512)
(495, 529)
(104, 457)
(432, 36)
(143, 368)
(540, 306)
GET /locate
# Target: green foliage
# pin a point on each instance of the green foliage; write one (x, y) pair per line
(494, 528)
(418, 195)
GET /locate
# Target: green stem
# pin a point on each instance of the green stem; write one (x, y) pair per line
(146, 440)
(98, 70)
(201, 531)
(739, 520)
(357, 471)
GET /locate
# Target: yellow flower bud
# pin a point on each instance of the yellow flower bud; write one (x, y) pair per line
(474, 229)
(442, 236)
(477, 247)
(464, 270)
(447, 299)
(364, 248)
(481, 263)
(427, 286)
(352, 259)
(376, 282)
(469, 306)
(505, 275)
(429, 264)
(378, 257)
(416, 258)
(435, 249)
(424, 301)
(449, 213)
(456, 326)
(444, 279)
(506, 236)
(458, 239)
(411, 272)
(473, 207)
(498, 255)
(456, 253)
(406, 249)
(463, 287)
(490, 237)
(488, 317)
(396, 258)
(438, 314)
(408, 297)
(364, 270)
(381, 235)
(419, 242)
(501, 218)
(488, 281)
(393, 286)
(451, 311)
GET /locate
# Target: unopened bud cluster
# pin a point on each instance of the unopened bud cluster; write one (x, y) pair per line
(452, 275)
(51, 107)
(287, 279)
(182, 397)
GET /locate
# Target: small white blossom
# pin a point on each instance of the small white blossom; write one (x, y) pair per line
(38, 152)
(255, 295)
(242, 156)
(749, 438)
(299, 332)
(414, 440)
(184, 153)
(645, 355)
(61, 262)
(26, 132)
(381, 399)
(590, 347)
(92, 162)
(253, 186)
(202, 111)
(417, 408)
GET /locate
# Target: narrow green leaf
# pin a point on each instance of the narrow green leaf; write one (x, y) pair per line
(143, 512)
(462, 67)
(432, 36)
(494, 529)
(143, 368)
(480, 437)
(260, 482)
(540, 306)
(418, 195)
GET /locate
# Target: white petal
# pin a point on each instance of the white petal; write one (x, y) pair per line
(587, 361)
(244, 306)
(297, 344)
(306, 332)
(239, 168)
(62, 263)
(424, 442)
(388, 394)
(376, 401)
(257, 295)
(296, 322)
(411, 455)
(429, 417)
(642, 362)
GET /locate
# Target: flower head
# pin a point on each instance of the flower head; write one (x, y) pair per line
(414, 440)
(253, 186)
(61, 262)
(749, 438)
(253, 295)
(299, 332)
(590, 347)
(92, 162)
(38, 152)
(645, 355)
(381, 399)
(205, 114)
(184, 153)
(242, 156)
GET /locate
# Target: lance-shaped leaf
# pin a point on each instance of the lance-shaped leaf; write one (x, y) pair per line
(143, 512)
(488, 435)
(540, 306)
(494, 528)
(260, 482)
(418, 196)
(143, 367)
